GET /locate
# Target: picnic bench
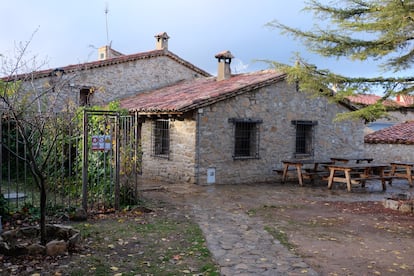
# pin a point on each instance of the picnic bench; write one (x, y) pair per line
(357, 174)
(400, 169)
(297, 166)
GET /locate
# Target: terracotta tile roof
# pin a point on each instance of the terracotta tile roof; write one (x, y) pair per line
(108, 62)
(368, 99)
(397, 134)
(188, 95)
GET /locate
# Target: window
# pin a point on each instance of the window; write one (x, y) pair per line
(84, 96)
(246, 138)
(304, 137)
(161, 138)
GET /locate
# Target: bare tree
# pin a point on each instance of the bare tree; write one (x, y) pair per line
(31, 109)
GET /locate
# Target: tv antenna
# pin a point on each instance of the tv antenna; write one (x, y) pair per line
(106, 21)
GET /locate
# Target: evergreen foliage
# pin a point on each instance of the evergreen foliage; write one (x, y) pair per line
(363, 30)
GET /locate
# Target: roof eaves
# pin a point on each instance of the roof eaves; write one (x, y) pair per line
(107, 62)
(212, 100)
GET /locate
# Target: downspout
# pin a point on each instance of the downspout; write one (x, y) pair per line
(197, 144)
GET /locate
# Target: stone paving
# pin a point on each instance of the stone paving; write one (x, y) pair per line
(239, 242)
(241, 246)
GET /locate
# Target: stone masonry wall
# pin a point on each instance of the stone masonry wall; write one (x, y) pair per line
(386, 153)
(277, 106)
(115, 81)
(179, 168)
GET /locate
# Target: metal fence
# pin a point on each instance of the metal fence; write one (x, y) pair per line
(93, 162)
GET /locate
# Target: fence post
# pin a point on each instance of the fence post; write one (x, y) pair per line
(117, 160)
(85, 162)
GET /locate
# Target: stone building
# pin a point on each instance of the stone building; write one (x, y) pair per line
(234, 129)
(398, 110)
(394, 143)
(112, 77)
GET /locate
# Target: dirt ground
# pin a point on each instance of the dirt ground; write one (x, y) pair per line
(336, 232)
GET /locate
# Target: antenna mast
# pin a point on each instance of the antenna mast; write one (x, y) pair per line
(106, 21)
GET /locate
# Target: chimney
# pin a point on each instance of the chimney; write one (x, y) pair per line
(162, 41)
(224, 60)
(106, 52)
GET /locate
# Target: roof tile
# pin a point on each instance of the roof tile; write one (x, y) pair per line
(108, 62)
(191, 94)
(368, 99)
(397, 134)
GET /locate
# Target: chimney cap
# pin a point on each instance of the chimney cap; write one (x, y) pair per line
(162, 35)
(224, 55)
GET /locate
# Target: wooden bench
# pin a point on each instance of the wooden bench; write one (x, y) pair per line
(308, 174)
(280, 171)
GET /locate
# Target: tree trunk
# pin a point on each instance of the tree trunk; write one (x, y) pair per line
(42, 211)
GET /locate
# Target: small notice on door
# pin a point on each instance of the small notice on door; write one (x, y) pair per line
(101, 142)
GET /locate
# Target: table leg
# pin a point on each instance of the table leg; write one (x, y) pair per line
(331, 176)
(285, 172)
(299, 171)
(348, 180)
(409, 176)
(367, 172)
(384, 187)
(392, 172)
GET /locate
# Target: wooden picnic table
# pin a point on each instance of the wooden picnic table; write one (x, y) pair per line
(401, 169)
(356, 174)
(298, 165)
(348, 159)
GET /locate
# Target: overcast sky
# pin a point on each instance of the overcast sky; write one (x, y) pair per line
(68, 32)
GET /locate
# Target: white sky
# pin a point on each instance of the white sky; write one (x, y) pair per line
(68, 31)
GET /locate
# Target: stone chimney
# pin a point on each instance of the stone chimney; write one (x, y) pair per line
(162, 41)
(106, 52)
(224, 60)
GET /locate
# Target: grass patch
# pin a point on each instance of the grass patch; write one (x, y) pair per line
(163, 242)
(281, 236)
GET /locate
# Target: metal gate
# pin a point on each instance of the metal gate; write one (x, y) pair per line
(110, 152)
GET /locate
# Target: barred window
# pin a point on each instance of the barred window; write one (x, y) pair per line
(304, 137)
(161, 138)
(246, 138)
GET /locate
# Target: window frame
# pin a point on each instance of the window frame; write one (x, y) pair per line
(85, 95)
(246, 138)
(304, 137)
(160, 138)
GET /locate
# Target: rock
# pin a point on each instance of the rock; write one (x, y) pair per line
(391, 204)
(36, 249)
(79, 215)
(11, 236)
(19, 241)
(60, 232)
(31, 231)
(74, 240)
(55, 248)
(4, 248)
(406, 207)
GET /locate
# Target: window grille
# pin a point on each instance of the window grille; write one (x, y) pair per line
(161, 138)
(246, 138)
(304, 137)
